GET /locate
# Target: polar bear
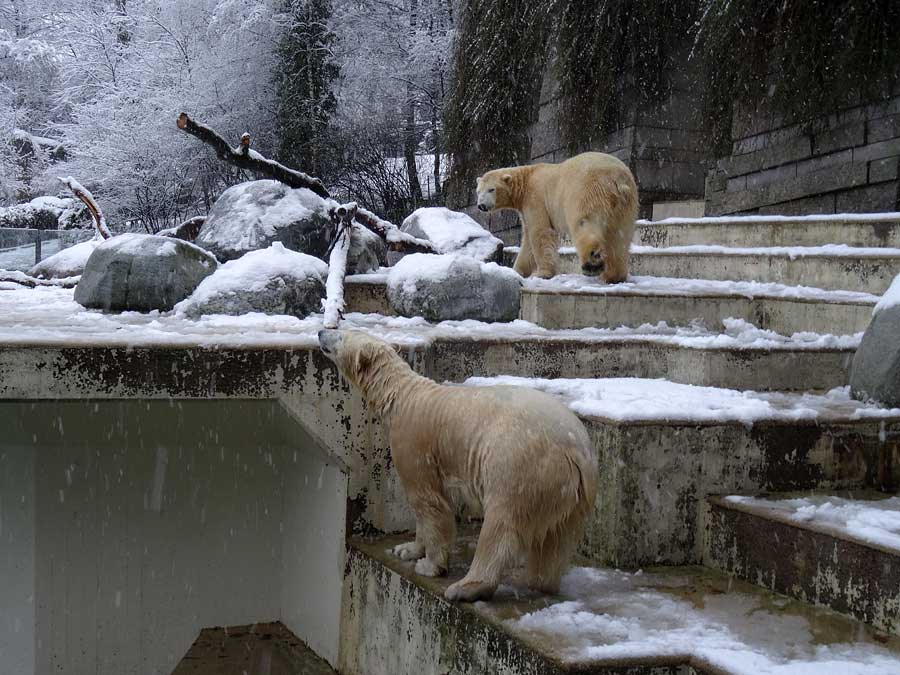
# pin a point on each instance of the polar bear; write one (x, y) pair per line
(520, 452)
(593, 195)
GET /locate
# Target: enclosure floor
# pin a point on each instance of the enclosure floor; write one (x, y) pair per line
(258, 648)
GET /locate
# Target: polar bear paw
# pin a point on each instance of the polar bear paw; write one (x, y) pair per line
(469, 591)
(411, 550)
(427, 568)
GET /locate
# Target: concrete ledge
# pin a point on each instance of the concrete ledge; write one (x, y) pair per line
(611, 309)
(398, 623)
(810, 563)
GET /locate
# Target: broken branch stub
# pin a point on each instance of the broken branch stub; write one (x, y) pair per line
(337, 264)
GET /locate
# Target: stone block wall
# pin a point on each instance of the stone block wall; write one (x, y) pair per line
(845, 162)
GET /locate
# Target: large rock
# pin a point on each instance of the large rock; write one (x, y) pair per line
(453, 287)
(69, 262)
(453, 232)
(875, 373)
(142, 272)
(272, 281)
(367, 251)
(250, 216)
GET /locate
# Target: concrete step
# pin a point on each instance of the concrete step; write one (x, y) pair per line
(870, 230)
(868, 270)
(264, 648)
(576, 301)
(664, 448)
(662, 621)
(836, 552)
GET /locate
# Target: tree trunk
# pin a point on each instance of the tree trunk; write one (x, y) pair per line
(409, 134)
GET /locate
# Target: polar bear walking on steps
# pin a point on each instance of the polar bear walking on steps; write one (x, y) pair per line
(521, 452)
(593, 196)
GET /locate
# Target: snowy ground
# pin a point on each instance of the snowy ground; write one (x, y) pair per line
(754, 220)
(792, 252)
(874, 521)
(50, 315)
(607, 615)
(635, 399)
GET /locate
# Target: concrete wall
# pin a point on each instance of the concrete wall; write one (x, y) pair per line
(845, 162)
(154, 519)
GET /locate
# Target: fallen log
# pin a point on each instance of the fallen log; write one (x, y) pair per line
(246, 158)
(85, 196)
(30, 282)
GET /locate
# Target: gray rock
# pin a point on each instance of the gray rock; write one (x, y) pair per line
(452, 232)
(272, 281)
(142, 272)
(250, 216)
(367, 251)
(447, 287)
(875, 373)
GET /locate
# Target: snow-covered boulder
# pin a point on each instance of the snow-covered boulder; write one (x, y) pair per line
(367, 251)
(142, 272)
(453, 232)
(875, 373)
(250, 216)
(274, 280)
(69, 262)
(453, 287)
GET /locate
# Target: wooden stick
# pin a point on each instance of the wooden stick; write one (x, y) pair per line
(85, 196)
(30, 282)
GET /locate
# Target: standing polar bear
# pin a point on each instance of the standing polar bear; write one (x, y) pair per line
(520, 452)
(593, 195)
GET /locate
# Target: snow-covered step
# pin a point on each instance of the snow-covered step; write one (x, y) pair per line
(577, 301)
(664, 620)
(839, 267)
(841, 552)
(664, 448)
(864, 229)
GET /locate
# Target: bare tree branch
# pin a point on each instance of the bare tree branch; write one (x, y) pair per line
(246, 158)
(85, 196)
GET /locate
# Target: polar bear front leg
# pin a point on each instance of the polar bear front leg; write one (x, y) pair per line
(544, 243)
(435, 531)
(411, 550)
(524, 264)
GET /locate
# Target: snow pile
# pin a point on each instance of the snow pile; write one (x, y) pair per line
(250, 216)
(635, 399)
(875, 521)
(69, 262)
(274, 280)
(452, 232)
(890, 298)
(453, 287)
(608, 615)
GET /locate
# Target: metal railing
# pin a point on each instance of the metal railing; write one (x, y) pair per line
(21, 248)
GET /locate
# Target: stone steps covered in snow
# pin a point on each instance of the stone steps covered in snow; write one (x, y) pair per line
(841, 552)
(662, 621)
(838, 267)
(863, 229)
(664, 448)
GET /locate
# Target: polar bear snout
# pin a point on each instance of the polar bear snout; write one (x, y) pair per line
(329, 339)
(483, 207)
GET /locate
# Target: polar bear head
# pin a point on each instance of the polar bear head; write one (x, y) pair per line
(494, 190)
(370, 364)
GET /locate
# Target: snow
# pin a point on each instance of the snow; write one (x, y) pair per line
(667, 286)
(135, 243)
(791, 252)
(873, 521)
(754, 220)
(252, 271)
(68, 260)
(333, 305)
(637, 399)
(52, 312)
(608, 615)
(453, 231)
(890, 298)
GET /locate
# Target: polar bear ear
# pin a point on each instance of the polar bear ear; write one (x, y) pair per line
(507, 177)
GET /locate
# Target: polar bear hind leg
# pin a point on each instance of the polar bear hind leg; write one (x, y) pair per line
(497, 548)
(548, 556)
